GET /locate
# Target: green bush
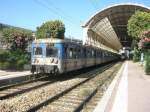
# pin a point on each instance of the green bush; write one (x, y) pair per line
(147, 66)
(20, 63)
(3, 55)
(13, 60)
(136, 55)
(1, 64)
(5, 65)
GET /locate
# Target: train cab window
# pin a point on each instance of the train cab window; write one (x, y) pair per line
(51, 52)
(37, 50)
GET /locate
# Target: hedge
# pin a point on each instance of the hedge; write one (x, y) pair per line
(13, 60)
(147, 66)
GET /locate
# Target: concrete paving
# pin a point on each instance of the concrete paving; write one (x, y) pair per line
(4, 74)
(136, 88)
(131, 92)
(13, 77)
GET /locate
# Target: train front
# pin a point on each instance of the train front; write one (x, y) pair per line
(45, 57)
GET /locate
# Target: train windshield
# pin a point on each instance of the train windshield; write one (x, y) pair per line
(37, 50)
(51, 52)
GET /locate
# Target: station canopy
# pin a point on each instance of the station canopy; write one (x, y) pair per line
(108, 27)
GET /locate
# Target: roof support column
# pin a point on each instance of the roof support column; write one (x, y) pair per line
(85, 35)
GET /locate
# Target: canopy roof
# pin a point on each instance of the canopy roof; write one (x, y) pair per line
(111, 24)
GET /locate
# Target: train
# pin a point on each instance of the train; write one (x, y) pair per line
(57, 56)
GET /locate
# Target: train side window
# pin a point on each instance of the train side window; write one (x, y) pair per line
(100, 54)
(103, 54)
(88, 54)
(70, 53)
(79, 53)
(97, 53)
(75, 53)
(92, 53)
(84, 53)
(65, 52)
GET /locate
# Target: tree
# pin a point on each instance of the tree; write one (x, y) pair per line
(138, 23)
(51, 29)
(16, 38)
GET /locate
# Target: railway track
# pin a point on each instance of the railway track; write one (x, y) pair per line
(91, 103)
(33, 78)
(74, 98)
(34, 82)
(16, 90)
(26, 86)
(36, 98)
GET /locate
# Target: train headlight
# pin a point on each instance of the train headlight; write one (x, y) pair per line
(56, 61)
(37, 61)
(52, 60)
(34, 61)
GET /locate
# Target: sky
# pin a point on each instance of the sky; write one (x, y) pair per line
(30, 14)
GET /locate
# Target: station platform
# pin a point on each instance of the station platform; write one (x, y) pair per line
(9, 74)
(12, 77)
(128, 92)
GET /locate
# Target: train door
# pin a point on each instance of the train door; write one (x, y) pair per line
(79, 58)
(68, 59)
(75, 55)
(84, 57)
(65, 57)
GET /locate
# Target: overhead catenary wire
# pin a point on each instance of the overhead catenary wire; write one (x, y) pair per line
(55, 11)
(58, 9)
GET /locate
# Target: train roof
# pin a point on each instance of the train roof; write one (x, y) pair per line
(52, 40)
(66, 40)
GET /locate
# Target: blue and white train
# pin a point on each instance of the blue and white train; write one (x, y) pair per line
(56, 56)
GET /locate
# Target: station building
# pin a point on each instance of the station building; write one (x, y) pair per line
(107, 28)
